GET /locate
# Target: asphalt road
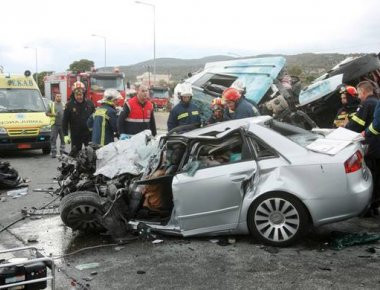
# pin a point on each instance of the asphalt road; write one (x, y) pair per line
(192, 263)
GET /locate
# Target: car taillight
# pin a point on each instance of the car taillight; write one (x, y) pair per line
(354, 163)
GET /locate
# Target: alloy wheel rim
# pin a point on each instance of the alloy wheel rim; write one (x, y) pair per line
(84, 217)
(277, 219)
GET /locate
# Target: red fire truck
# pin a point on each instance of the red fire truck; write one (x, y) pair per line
(159, 96)
(95, 83)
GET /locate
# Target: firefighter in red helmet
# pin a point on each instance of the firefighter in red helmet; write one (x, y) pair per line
(237, 107)
(350, 103)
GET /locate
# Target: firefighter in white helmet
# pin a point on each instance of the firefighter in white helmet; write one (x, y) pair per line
(104, 121)
(185, 112)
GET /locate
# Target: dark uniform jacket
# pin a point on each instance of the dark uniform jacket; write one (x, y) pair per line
(183, 114)
(362, 120)
(75, 117)
(103, 123)
(344, 115)
(136, 117)
(243, 109)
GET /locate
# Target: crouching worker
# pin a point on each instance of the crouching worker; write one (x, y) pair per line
(350, 103)
(104, 121)
(217, 107)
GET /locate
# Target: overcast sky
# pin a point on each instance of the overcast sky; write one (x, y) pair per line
(61, 30)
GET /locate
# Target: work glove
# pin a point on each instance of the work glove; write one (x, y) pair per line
(124, 136)
(67, 139)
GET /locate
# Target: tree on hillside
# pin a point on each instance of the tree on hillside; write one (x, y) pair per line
(81, 65)
(41, 77)
(295, 70)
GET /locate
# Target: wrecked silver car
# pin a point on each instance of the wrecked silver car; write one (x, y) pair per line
(250, 176)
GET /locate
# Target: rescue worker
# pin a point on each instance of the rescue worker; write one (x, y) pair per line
(217, 108)
(75, 117)
(239, 85)
(137, 115)
(104, 121)
(372, 138)
(55, 112)
(185, 112)
(236, 107)
(362, 121)
(350, 102)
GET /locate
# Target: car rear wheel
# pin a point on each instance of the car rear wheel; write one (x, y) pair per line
(82, 211)
(277, 219)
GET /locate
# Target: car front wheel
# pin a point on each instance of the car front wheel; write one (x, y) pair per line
(277, 219)
(82, 210)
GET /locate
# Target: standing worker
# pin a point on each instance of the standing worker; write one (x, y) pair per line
(185, 112)
(75, 117)
(362, 121)
(137, 115)
(55, 112)
(367, 121)
(237, 107)
(350, 102)
(104, 121)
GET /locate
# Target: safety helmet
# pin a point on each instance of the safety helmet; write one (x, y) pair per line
(239, 85)
(348, 90)
(78, 86)
(111, 95)
(186, 90)
(217, 104)
(231, 95)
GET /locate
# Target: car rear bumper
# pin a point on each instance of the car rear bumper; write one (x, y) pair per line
(356, 200)
(31, 142)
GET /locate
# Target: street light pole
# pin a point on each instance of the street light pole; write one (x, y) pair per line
(154, 36)
(36, 51)
(105, 48)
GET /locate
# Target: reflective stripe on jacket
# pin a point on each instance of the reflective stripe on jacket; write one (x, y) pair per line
(363, 116)
(136, 117)
(183, 114)
(103, 124)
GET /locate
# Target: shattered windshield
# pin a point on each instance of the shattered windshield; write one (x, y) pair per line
(103, 83)
(298, 135)
(20, 100)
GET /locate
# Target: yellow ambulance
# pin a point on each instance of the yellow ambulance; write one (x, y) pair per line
(23, 122)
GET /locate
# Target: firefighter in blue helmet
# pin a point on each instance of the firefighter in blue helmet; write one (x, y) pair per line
(104, 121)
(185, 112)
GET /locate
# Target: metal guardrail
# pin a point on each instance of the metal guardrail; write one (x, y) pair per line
(40, 258)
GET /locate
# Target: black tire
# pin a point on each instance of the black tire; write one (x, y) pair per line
(82, 210)
(46, 151)
(277, 219)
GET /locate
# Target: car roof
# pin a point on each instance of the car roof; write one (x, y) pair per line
(221, 129)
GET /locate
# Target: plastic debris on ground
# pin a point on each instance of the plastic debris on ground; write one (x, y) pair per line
(18, 192)
(9, 177)
(341, 240)
(223, 241)
(87, 266)
(126, 156)
(157, 241)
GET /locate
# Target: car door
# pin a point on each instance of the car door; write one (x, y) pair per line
(211, 199)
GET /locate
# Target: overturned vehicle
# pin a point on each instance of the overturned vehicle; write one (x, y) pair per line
(274, 92)
(248, 176)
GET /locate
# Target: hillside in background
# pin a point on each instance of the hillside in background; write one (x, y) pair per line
(306, 65)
